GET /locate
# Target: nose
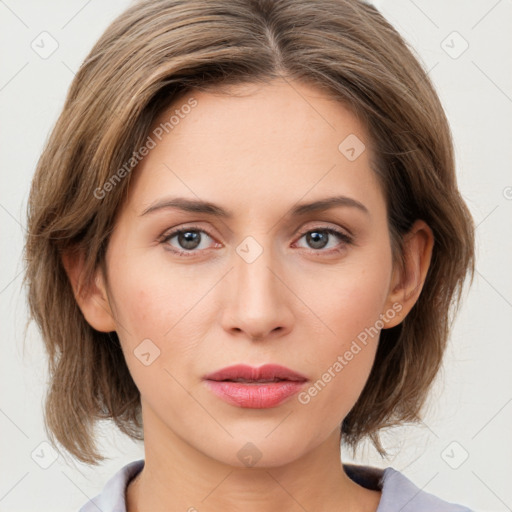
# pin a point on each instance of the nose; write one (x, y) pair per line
(258, 300)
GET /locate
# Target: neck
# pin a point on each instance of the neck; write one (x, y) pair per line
(178, 477)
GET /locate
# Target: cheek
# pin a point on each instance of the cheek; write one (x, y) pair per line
(350, 304)
(152, 327)
(151, 311)
(150, 300)
(343, 362)
(140, 308)
(352, 296)
(358, 303)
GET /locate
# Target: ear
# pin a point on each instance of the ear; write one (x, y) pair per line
(407, 283)
(91, 297)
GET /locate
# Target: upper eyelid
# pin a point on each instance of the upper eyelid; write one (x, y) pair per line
(341, 231)
(300, 231)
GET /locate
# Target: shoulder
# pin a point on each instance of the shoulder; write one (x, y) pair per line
(399, 493)
(112, 496)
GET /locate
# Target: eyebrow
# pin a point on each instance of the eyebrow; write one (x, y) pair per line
(199, 206)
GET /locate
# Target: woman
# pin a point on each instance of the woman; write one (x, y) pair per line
(245, 242)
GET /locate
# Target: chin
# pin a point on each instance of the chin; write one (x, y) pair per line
(256, 451)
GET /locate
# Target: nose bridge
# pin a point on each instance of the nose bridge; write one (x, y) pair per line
(258, 304)
(255, 283)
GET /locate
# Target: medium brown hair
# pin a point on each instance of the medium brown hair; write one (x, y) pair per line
(160, 49)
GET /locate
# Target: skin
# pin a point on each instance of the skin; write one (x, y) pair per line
(298, 304)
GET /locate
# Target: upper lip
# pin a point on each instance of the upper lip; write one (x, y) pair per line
(267, 372)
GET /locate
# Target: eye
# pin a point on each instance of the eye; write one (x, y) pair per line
(319, 238)
(191, 240)
(187, 240)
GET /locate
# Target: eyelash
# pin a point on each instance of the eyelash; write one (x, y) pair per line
(346, 239)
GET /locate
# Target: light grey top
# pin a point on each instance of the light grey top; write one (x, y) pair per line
(399, 494)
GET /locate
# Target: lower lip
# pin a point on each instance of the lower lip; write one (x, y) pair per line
(255, 396)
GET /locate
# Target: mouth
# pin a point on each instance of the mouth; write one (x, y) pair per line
(255, 388)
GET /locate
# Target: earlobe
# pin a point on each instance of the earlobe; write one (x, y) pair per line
(407, 283)
(91, 297)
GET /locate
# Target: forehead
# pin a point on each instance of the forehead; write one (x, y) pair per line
(253, 144)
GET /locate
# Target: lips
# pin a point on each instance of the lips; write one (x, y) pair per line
(265, 387)
(249, 374)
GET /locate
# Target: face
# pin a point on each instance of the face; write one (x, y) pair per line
(262, 283)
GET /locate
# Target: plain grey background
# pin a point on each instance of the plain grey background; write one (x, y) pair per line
(463, 450)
